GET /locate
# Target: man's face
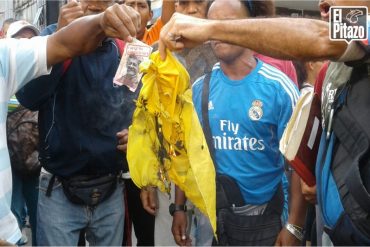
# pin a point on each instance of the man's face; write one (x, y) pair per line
(132, 66)
(221, 10)
(325, 5)
(195, 8)
(142, 7)
(25, 33)
(92, 7)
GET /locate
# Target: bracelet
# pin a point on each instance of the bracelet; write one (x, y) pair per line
(296, 231)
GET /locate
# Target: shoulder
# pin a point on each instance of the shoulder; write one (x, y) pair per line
(280, 81)
(158, 24)
(277, 63)
(285, 66)
(272, 75)
(199, 82)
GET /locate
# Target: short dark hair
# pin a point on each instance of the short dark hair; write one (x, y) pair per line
(301, 70)
(149, 2)
(209, 5)
(259, 8)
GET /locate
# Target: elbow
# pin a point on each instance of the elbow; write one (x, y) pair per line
(332, 50)
(328, 49)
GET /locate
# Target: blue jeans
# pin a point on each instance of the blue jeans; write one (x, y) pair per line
(59, 221)
(201, 229)
(25, 194)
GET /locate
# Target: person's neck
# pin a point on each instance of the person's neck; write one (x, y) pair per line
(240, 67)
(310, 80)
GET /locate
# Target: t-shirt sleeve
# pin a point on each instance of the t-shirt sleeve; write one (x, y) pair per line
(288, 97)
(284, 66)
(23, 60)
(153, 33)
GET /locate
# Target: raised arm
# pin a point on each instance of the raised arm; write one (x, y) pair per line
(284, 38)
(85, 34)
(168, 8)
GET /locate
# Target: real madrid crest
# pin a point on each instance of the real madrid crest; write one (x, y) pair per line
(256, 112)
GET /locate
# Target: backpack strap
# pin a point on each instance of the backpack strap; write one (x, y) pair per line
(228, 192)
(276, 204)
(355, 141)
(205, 116)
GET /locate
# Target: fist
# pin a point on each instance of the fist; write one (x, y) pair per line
(68, 13)
(308, 192)
(120, 21)
(122, 137)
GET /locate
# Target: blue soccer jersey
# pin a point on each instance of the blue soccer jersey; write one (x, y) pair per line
(247, 119)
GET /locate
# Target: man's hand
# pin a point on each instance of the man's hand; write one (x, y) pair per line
(285, 238)
(122, 140)
(120, 21)
(308, 192)
(149, 199)
(86, 33)
(179, 225)
(68, 13)
(183, 31)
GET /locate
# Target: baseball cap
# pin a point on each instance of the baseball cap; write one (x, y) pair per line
(17, 26)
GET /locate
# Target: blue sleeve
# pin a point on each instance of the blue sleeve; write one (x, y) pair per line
(37, 91)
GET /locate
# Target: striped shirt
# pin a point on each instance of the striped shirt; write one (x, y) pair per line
(20, 61)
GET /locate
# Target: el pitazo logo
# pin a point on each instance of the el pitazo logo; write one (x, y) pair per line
(348, 23)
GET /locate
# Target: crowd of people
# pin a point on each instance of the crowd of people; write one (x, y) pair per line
(65, 126)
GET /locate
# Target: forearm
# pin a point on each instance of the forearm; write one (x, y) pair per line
(87, 34)
(302, 39)
(168, 8)
(180, 198)
(298, 205)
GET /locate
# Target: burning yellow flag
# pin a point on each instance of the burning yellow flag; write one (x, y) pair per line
(166, 141)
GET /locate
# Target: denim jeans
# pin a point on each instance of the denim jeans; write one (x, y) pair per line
(201, 229)
(25, 194)
(59, 221)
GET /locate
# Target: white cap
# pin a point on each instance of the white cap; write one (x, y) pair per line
(17, 26)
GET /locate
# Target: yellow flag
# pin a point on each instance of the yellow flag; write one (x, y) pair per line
(166, 141)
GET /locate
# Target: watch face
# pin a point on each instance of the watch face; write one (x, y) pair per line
(172, 208)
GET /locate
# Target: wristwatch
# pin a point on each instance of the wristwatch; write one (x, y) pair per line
(174, 208)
